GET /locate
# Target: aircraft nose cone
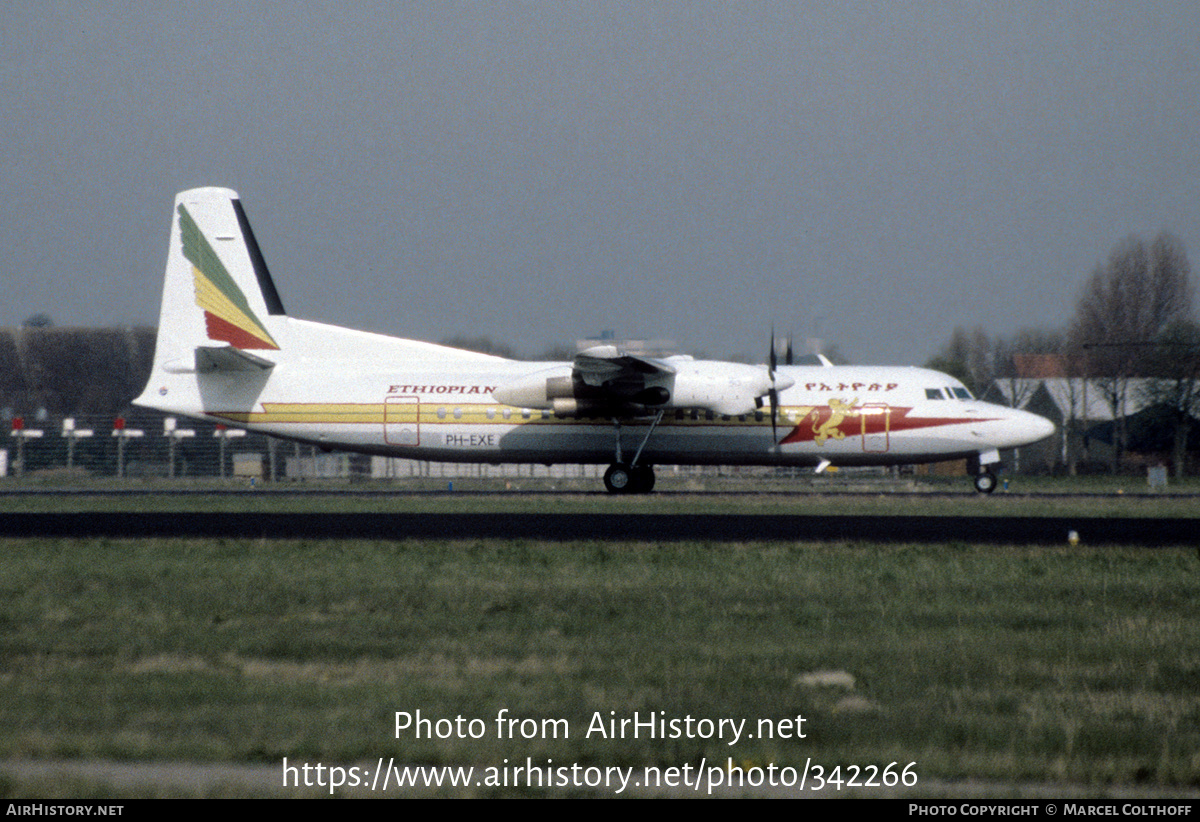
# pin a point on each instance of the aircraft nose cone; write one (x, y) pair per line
(1036, 427)
(1042, 427)
(1015, 428)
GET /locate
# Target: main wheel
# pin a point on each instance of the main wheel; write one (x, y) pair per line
(618, 479)
(985, 482)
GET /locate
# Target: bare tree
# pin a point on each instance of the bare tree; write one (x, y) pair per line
(1125, 305)
(968, 356)
(1175, 366)
(1170, 285)
(1075, 396)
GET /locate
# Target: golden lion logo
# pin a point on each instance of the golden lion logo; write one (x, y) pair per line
(839, 410)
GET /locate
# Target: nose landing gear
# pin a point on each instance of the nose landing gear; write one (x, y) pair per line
(985, 482)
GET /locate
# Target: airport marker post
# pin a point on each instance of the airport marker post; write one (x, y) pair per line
(122, 433)
(222, 433)
(174, 435)
(20, 433)
(72, 433)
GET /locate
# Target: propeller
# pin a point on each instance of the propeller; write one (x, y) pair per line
(777, 383)
(773, 391)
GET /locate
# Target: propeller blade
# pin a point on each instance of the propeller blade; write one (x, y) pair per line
(773, 391)
(774, 415)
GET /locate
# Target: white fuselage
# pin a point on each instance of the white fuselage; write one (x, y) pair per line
(355, 391)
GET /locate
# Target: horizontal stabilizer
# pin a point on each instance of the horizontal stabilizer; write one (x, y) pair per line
(225, 358)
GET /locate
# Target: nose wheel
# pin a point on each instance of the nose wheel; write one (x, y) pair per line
(985, 482)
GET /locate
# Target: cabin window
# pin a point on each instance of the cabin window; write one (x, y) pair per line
(545, 413)
(758, 416)
(525, 413)
(934, 394)
(458, 413)
(441, 413)
(491, 413)
(506, 413)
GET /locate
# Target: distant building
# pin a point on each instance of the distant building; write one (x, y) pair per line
(1039, 366)
(1086, 413)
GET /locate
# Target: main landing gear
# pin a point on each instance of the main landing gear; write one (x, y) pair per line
(624, 479)
(631, 477)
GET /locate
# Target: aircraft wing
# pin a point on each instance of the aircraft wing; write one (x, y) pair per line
(603, 375)
(605, 379)
(606, 365)
(600, 378)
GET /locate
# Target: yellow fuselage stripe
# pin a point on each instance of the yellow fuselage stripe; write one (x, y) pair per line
(476, 414)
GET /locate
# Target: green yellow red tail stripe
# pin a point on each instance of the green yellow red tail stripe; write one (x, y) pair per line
(227, 315)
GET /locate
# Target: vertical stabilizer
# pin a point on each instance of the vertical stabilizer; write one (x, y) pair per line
(217, 293)
(217, 290)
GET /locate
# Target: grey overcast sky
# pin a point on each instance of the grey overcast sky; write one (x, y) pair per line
(871, 173)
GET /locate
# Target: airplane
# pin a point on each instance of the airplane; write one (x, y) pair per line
(229, 353)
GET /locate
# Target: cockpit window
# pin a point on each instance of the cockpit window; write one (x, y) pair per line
(963, 394)
(934, 394)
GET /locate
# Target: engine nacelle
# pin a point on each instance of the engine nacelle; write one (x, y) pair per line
(721, 387)
(537, 390)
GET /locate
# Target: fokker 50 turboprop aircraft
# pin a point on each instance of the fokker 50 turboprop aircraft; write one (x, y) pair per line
(227, 352)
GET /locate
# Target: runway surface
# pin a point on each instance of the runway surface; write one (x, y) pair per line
(1146, 532)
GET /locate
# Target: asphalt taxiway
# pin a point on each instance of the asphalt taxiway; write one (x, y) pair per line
(631, 527)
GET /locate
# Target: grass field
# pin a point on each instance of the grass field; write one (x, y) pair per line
(1068, 666)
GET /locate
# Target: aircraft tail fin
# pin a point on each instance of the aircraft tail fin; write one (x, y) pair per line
(218, 291)
(220, 310)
